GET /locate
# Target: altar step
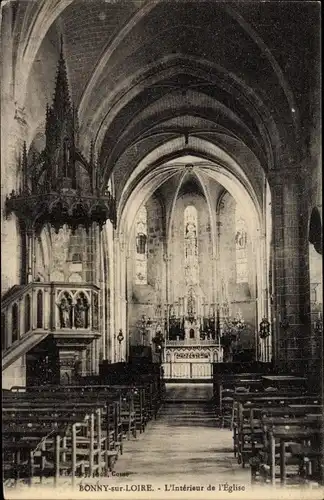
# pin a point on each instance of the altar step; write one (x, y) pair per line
(202, 380)
(185, 393)
(187, 413)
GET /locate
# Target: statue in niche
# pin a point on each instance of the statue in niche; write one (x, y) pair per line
(65, 313)
(241, 239)
(191, 240)
(95, 312)
(191, 305)
(224, 290)
(81, 313)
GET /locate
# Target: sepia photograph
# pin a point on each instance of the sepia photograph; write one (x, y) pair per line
(161, 250)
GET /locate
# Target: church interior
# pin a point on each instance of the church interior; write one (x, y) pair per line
(161, 221)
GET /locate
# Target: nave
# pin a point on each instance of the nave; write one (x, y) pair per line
(236, 434)
(183, 446)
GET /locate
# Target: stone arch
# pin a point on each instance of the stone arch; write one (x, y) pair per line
(156, 168)
(193, 66)
(32, 35)
(145, 176)
(112, 46)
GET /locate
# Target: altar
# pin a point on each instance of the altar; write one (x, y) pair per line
(190, 360)
(192, 318)
(192, 337)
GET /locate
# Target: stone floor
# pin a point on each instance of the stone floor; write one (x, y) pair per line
(183, 445)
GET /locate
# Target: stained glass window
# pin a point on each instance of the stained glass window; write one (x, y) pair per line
(141, 247)
(191, 245)
(241, 250)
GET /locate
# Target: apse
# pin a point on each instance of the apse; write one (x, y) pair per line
(191, 259)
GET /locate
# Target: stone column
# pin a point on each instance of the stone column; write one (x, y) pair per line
(290, 272)
(122, 298)
(109, 287)
(102, 296)
(118, 294)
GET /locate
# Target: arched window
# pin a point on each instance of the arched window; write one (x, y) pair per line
(39, 309)
(241, 249)
(191, 265)
(141, 247)
(15, 323)
(27, 313)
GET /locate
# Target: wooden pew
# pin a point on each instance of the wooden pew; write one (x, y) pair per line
(141, 400)
(90, 444)
(282, 382)
(111, 400)
(40, 440)
(298, 442)
(136, 374)
(125, 418)
(226, 384)
(246, 424)
(113, 410)
(259, 417)
(126, 395)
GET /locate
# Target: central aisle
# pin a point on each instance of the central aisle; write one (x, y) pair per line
(183, 446)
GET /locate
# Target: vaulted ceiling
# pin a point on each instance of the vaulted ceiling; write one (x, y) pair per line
(191, 77)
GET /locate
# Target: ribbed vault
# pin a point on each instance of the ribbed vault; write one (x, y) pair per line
(152, 61)
(209, 161)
